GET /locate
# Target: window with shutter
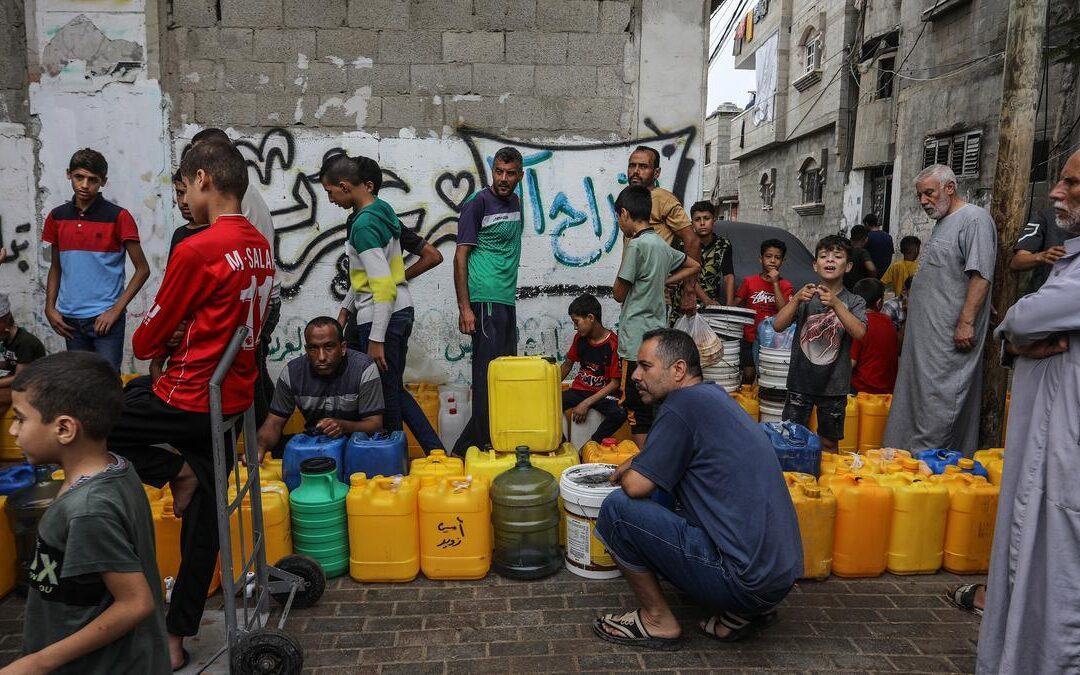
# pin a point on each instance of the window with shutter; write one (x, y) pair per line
(972, 154)
(962, 153)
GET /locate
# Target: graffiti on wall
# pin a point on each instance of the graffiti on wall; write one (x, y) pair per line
(570, 243)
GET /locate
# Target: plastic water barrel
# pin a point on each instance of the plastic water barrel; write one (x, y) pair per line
(815, 508)
(305, 446)
(320, 529)
(381, 454)
(15, 478)
(384, 535)
(455, 528)
(525, 519)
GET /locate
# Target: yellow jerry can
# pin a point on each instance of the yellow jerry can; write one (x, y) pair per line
(277, 531)
(525, 403)
(917, 536)
(455, 528)
(815, 508)
(969, 530)
(437, 464)
(873, 414)
(863, 520)
(384, 537)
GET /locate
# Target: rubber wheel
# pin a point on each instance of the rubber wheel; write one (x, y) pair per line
(267, 652)
(314, 580)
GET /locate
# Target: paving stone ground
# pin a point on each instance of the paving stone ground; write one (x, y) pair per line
(890, 624)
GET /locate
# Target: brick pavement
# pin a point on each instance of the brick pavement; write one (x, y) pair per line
(893, 624)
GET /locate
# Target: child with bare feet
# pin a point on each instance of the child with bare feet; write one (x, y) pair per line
(214, 283)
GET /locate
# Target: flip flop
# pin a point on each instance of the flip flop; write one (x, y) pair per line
(963, 597)
(186, 660)
(741, 627)
(632, 632)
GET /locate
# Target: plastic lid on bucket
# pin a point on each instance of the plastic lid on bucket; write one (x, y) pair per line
(317, 465)
(587, 484)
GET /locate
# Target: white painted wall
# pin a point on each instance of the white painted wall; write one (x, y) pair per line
(571, 236)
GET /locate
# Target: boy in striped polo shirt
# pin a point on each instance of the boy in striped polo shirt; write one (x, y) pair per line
(85, 296)
(383, 305)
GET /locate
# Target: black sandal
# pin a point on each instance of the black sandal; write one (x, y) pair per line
(632, 632)
(963, 597)
(740, 627)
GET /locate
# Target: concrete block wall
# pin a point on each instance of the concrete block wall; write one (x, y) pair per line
(431, 89)
(14, 102)
(523, 67)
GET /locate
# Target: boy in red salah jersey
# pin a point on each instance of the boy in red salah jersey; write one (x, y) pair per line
(766, 293)
(214, 283)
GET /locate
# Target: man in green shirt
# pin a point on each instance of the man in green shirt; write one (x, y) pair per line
(485, 277)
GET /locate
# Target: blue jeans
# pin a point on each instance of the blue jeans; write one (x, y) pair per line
(85, 339)
(396, 346)
(413, 416)
(644, 536)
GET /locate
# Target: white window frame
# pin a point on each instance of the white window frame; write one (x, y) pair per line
(812, 53)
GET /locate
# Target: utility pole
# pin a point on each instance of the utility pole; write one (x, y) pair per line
(1021, 77)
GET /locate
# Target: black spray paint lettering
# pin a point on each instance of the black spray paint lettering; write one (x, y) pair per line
(276, 152)
(16, 247)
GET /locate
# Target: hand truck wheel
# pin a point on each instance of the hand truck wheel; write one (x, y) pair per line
(267, 652)
(314, 580)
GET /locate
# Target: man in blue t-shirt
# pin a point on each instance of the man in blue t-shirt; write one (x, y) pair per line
(485, 278)
(733, 542)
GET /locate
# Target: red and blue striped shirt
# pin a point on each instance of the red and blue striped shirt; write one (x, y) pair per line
(92, 247)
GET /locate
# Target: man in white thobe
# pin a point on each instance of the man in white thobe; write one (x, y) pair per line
(1032, 618)
(939, 386)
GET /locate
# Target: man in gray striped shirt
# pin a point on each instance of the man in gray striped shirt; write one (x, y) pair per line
(337, 390)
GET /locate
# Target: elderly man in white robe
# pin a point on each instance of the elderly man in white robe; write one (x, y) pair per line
(939, 386)
(1032, 617)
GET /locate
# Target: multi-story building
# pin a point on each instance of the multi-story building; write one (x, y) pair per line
(930, 76)
(791, 144)
(855, 98)
(720, 176)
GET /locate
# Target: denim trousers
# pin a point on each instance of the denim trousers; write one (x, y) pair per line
(396, 347)
(85, 339)
(642, 535)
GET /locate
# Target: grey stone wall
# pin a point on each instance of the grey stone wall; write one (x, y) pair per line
(786, 160)
(14, 105)
(528, 67)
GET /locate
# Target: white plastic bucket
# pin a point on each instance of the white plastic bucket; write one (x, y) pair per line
(583, 489)
(580, 434)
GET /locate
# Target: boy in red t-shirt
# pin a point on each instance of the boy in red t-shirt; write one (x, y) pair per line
(596, 350)
(214, 283)
(874, 358)
(766, 293)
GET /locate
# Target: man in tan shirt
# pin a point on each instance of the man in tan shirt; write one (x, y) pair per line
(668, 216)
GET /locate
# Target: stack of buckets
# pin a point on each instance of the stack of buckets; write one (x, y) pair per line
(772, 375)
(727, 323)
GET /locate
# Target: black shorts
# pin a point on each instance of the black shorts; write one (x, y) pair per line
(746, 353)
(830, 413)
(638, 413)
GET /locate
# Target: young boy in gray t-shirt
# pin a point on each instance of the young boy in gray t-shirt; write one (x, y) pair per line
(829, 318)
(94, 603)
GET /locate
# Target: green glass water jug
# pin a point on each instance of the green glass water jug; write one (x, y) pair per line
(25, 509)
(320, 527)
(525, 517)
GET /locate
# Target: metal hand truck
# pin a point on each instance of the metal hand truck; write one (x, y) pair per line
(295, 580)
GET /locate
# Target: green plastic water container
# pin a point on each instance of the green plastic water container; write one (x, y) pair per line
(320, 527)
(525, 517)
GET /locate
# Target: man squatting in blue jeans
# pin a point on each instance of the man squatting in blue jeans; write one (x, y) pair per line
(732, 544)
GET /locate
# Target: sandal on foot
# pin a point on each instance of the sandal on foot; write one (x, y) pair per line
(631, 631)
(740, 627)
(963, 597)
